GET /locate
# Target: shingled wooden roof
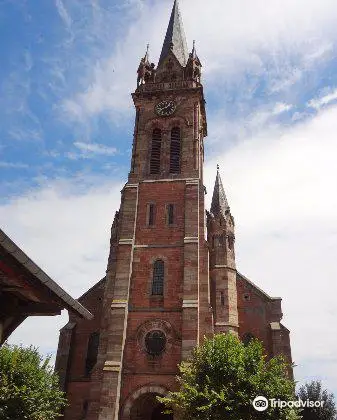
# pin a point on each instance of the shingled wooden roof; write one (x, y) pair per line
(26, 290)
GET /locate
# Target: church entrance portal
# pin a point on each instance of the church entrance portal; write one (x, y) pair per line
(146, 407)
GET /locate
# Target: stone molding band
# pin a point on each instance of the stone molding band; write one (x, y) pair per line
(191, 240)
(125, 242)
(190, 303)
(119, 303)
(112, 366)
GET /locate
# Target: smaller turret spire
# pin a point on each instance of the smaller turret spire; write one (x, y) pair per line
(219, 200)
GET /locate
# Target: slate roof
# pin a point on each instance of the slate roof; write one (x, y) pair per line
(219, 200)
(175, 36)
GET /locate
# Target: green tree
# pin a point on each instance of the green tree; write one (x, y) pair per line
(224, 376)
(28, 386)
(314, 391)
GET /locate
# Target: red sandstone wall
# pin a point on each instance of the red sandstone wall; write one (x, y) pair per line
(77, 384)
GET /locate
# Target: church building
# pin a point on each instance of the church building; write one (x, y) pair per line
(171, 276)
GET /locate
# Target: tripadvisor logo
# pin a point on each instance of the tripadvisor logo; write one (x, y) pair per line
(262, 404)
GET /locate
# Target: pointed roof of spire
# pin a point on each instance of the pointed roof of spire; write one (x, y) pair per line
(219, 200)
(175, 39)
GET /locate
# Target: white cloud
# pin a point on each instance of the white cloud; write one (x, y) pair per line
(25, 134)
(62, 11)
(95, 148)
(324, 100)
(281, 107)
(13, 165)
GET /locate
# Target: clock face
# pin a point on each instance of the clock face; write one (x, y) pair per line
(165, 108)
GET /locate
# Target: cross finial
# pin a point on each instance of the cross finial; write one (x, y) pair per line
(217, 167)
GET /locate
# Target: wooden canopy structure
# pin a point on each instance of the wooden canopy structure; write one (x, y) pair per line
(26, 290)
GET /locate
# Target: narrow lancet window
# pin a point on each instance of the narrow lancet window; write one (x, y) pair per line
(92, 353)
(151, 212)
(155, 151)
(170, 214)
(158, 278)
(175, 150)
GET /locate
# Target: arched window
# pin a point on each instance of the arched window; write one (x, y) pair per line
(151, 210)
(158, 278)
(92, 352)
(155, 342)
(221, 240)
(170, 214)
(155, 152)
(175, 151)
(247, 338)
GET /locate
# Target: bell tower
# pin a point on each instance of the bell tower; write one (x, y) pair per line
(157, 299)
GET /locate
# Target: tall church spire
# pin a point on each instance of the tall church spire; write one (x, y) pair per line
(175, 39)
(219, 200)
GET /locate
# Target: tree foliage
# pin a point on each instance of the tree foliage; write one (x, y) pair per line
(29, 388)
(224, 376)
(314, 391)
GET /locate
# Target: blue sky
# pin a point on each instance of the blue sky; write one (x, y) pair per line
(269, 73)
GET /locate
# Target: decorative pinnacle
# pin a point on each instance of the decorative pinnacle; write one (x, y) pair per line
(217, 167)
(146, 58)
(194, 54)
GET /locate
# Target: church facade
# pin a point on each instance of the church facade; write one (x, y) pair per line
(171, 277)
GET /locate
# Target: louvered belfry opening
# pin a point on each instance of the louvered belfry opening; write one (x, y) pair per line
(155, 151)
(175, 151)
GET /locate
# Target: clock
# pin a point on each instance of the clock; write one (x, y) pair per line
(165, 108)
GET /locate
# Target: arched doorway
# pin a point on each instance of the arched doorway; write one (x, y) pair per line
(147, 407)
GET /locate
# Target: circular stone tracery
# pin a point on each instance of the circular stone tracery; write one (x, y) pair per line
(155, 337)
